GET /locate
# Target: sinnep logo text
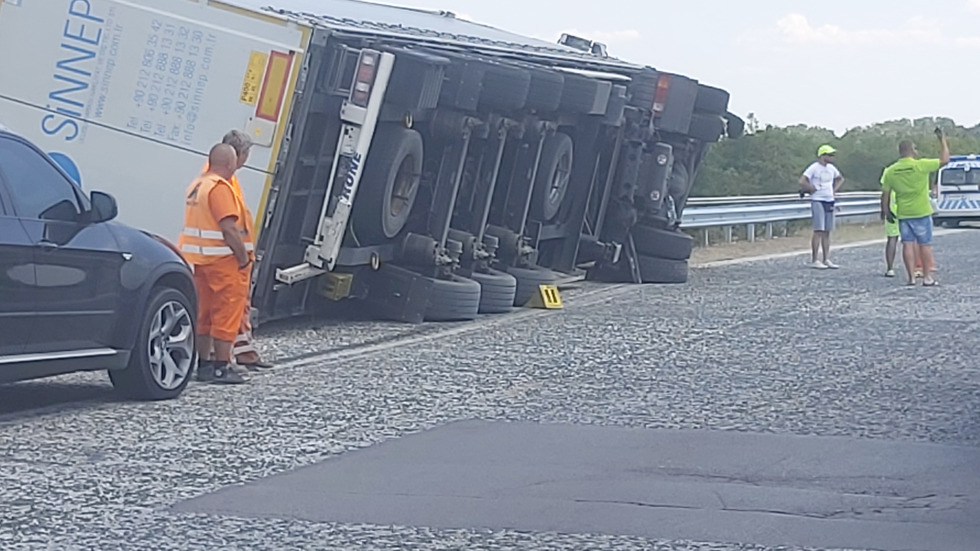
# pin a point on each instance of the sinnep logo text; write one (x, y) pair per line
(73, 70)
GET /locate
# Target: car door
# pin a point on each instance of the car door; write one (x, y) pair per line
(17, 309)
(77, 288)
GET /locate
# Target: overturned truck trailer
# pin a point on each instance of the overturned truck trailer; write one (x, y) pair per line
(430, 167)
(439, 169)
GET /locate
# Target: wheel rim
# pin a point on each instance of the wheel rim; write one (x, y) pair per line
(560, 180)
(402, 191)
(170, 345)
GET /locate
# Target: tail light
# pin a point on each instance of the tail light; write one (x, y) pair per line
(660, 96)
(367, 70)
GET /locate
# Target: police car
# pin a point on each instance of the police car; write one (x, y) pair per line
(958, 197)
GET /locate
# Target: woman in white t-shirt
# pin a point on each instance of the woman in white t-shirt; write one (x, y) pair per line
(822, 181)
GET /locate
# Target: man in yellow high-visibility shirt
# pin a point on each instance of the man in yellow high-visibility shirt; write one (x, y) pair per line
(909, 179)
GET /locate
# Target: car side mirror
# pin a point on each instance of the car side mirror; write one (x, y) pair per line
(104, 207)
(62, 211)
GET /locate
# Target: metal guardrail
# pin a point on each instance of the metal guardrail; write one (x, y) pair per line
(709, 212)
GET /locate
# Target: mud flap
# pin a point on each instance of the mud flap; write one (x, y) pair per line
(397, 294)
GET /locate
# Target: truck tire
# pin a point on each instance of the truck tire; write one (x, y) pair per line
(546, 89)
(736, 126)
(662, 270)
(663, 243)
(528, 280)
(579, 94)
(643, 89)
(454, 299)
(389, 185)
(706, 128)
(554, 173)
(711, 100)
(497, 291)
(505, 87)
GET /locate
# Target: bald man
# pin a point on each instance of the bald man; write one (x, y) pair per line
(244, 350)
(908, 179)
(217, 242)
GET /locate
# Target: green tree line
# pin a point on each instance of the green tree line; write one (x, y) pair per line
(770, 160)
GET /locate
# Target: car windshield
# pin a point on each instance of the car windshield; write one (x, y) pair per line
(960, 177)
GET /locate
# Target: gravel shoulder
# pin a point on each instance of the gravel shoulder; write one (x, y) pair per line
(800, 242)
(767, 346)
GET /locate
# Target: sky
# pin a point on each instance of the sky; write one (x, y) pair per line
(835, 64)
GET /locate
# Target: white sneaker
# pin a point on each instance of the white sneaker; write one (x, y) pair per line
(817, 265)
(890, 273)
(830, 265)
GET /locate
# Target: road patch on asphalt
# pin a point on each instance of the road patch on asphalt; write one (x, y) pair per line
(766, 489)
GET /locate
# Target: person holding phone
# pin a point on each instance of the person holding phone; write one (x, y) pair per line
(908, 178)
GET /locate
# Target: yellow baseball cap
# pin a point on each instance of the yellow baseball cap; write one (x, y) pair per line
(826, 150)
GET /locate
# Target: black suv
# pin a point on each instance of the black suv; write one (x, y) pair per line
(79, 292)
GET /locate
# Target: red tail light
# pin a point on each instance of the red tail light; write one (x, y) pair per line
(660, 97)
(367, 69)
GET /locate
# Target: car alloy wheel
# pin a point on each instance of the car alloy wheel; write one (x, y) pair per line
(171, 345)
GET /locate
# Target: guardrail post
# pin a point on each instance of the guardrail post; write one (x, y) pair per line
(728, 234)
(750, 231)
(769, 230)
(706, 236)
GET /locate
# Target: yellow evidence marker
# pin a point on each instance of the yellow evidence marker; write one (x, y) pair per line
(548, 298)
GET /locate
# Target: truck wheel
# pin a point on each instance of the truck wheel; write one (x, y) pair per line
(390, 183)
(736, 126)
(497, 291)
(662, 270)
(528, 280)
(504, 87)
(663, 243)
(455, 299)
(706, 128)
(546, 89)
(579, 94)
(643, 88)
(554, 172)
(711, 100)
(161, 362)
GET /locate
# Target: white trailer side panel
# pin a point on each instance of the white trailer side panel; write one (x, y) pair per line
(129, 95)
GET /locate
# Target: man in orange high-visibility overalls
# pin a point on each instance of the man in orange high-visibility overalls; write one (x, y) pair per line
(217, 242)
(243, 349)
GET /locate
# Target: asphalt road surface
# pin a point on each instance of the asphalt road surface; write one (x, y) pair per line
(763, 406)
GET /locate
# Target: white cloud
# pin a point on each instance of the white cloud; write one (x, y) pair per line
(968, 42)
(795, 28)
(973, 5)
